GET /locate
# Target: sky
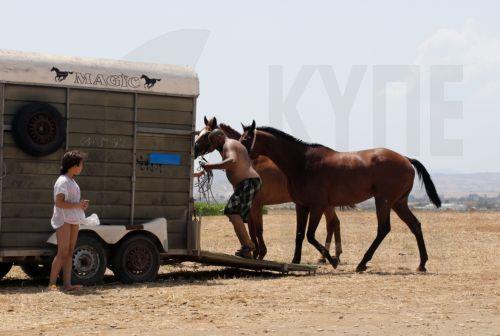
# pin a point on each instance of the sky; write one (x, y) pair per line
(421, 78)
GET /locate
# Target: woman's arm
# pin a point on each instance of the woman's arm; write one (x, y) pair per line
(61, 203)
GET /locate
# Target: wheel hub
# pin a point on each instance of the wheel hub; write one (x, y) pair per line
(42, 129)
(139, 260)
(85, 262)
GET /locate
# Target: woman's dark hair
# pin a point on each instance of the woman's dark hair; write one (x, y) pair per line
(71, 159)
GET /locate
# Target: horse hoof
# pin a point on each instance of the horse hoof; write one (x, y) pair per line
(421, 269)
(262, 254)
(334, 262)
(296, 261)
(361, 268)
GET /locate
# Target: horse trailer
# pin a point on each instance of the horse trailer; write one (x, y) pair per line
(136, 122)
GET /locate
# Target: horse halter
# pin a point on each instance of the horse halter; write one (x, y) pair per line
(253, 141)
(207, 145)
(252, 145)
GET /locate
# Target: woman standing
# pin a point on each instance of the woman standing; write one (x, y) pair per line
(67, 216)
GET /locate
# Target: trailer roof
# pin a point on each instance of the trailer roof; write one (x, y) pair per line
(37, 68)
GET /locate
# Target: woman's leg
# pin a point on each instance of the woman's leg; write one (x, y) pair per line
(63, 235)
(68, 264)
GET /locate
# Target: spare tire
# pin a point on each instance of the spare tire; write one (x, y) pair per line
(39, 129)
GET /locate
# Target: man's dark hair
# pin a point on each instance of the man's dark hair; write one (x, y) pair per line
(216, 133)
(71, 159)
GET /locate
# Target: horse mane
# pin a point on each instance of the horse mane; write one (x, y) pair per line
(279, 133)
(230, 132)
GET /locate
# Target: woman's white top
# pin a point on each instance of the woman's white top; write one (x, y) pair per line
(71, 191)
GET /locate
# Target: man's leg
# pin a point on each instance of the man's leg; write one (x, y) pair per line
(241, 231)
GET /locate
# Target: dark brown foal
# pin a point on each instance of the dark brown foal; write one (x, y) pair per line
(319, 177)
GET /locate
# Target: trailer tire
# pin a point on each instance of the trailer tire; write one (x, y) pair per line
(36, 270)
(137, 259)
(4, 268)
(39, 129)
(89, 261)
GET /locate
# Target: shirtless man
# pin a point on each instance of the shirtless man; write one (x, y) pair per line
(246, 183)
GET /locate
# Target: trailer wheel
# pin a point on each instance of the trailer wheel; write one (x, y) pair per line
(39, 129)
(137, 259)
(4, 268)
(36, 270)
(89, 261)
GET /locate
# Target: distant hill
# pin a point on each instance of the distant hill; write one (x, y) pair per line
(447, 185)
(459, 185)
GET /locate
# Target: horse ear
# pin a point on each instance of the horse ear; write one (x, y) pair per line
(242, 126)
(252, 127)
(205, 120)
(214, 122)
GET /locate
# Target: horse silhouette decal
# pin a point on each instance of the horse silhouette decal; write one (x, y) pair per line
(149, 82)
(60, 75)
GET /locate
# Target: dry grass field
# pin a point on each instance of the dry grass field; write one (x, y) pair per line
(460, 294)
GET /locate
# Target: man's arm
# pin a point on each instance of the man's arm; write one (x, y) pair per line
(229, 162)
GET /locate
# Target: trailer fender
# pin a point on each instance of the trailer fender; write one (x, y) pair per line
(112, 234)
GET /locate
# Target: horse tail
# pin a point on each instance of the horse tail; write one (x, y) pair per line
(424, 176)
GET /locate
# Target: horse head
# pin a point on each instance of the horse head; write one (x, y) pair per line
(201, 144)
(54, 69)
(247, 139)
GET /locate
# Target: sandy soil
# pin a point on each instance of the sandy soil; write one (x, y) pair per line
(460, 294)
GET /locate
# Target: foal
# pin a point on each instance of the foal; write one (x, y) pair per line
(320, 177)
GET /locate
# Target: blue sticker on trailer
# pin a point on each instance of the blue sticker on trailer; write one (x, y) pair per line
(165, 159)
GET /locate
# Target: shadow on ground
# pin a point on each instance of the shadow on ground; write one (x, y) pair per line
(167, 279)
(197, 275)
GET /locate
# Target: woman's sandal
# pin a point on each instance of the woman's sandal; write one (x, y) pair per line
(53, 288)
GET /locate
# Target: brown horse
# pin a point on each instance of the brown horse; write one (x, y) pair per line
(274, 191)
(319, 177)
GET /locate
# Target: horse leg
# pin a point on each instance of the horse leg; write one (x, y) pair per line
(329, 234)
(252, 233)
(256, 215)
(302, 214)
(384, 227)
(328, 240)
(332, 229)
(336, 233)
(314, 219)
(401, 208)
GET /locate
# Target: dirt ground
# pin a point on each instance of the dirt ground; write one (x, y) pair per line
(460, 294)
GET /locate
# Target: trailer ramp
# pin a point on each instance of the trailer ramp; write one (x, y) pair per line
(222, 259)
